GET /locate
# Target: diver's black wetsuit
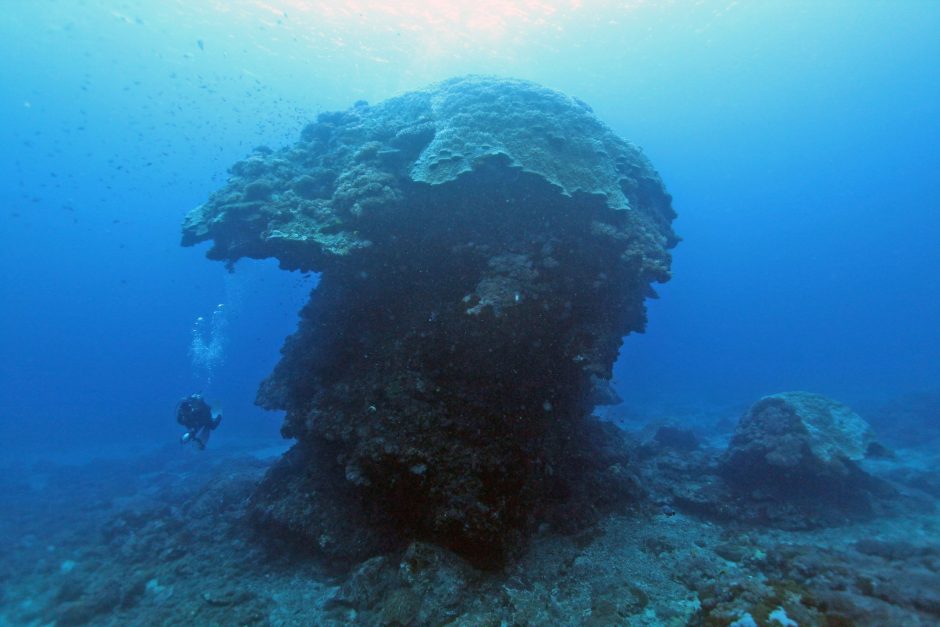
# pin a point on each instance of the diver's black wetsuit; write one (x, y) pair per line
(194, 413)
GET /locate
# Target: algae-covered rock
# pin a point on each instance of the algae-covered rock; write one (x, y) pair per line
(426, 585)
(791, 437)
(484, 245)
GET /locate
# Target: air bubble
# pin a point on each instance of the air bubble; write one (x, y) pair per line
(207, 349)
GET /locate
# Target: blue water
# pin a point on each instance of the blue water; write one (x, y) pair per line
(799, 140)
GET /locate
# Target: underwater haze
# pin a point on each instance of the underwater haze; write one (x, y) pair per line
(799, 141)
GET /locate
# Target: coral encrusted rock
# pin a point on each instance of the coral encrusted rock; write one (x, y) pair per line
(484, 245)
(798, 441)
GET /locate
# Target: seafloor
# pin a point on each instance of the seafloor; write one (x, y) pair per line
(162, 539)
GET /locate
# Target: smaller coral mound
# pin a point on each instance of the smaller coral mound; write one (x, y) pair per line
(796, 461)
(798, 441)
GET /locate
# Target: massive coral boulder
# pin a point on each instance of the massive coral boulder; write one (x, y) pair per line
(484, 245)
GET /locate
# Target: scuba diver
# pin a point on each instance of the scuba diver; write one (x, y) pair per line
(194, 413)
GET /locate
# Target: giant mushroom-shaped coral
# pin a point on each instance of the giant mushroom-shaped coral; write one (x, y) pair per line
(484, 246)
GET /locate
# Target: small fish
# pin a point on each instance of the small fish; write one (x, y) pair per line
(201, 45)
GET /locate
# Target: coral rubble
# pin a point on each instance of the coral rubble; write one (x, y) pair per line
(484, 245)
(162, 540)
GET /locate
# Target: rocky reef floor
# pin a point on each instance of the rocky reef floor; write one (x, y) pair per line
(162, 539)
